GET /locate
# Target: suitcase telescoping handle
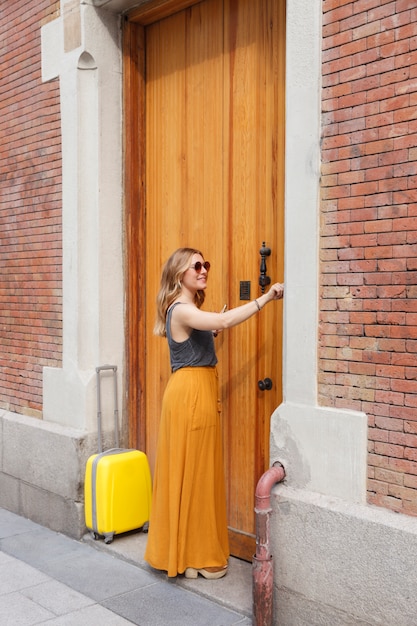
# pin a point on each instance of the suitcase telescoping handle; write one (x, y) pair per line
(100, 369)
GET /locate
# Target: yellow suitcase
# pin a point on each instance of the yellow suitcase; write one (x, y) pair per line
(117, 487)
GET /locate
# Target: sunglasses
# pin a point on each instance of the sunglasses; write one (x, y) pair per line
(199, 266)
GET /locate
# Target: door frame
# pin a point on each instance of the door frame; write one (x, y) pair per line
(134, 231)
(134, 63)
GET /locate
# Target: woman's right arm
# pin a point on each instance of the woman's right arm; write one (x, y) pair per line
(192, 317)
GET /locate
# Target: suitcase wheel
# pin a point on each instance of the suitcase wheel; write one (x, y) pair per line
(145, 527)
(108, 538)
(94, 535)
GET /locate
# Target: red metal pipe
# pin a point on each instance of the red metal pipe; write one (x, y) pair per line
(262, 568)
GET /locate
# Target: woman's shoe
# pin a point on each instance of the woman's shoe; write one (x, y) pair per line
(208, 572)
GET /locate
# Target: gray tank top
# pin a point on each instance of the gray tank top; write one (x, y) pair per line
(196, 351)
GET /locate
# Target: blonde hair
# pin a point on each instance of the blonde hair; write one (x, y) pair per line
(170, 288)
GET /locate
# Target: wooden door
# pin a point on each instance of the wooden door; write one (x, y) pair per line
(205, 168)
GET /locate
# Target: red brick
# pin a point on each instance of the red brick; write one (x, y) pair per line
(338, 39)
(380, 39)
(378, 226)
(351, 126)
(377, 487)
(405, 5)
(382, 119)
(410, 453)
(408, 32)
(336, 65)
(405, 465)
(395, 104)
(381, 66)
(352, 99)
(393, 238)
(381, 93)
(405, 332)
(403, 439)
(363, 265)
(410, 481)
(330, 155)
(385, 346)
(403, 412)
(350, 152)
(411, 319)
(330, 5)
(352, 49)
(387, 476)
(389, 450)
(336, 14)
(379, 199)
(411, 346)
(377, 252)
(376, 460)
(353, 22)
(410, 400)
(395, 49)
(347, 178)
(392, 265)
(407, 141)
(330, 29)
(411, 373)
(396, 20)
(391, 318)
(330, 143)
(366, 30)
(332, 92)
(331, 341)
(394, 131)
(410, 427)
(352, 73)
(387, 502)
(406, 495)
(374, 147)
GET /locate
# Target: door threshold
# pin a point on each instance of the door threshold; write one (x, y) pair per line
(234, 591)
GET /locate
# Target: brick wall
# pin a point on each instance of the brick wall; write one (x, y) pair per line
(30, 209)
(368, 304)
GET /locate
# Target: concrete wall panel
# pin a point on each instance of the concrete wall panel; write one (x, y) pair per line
(341, 563)
(43, 454)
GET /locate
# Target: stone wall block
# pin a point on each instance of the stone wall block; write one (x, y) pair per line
(53, 511)
(339, 563)
(48, 456)
(9, 493)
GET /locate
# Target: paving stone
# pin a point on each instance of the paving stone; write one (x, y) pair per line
(179, 608)
(99, 576)
(89, 616)
(17, 610)
(56, 597)
(15, 575)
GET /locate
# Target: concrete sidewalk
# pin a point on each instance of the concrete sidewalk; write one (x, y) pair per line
(48, 578)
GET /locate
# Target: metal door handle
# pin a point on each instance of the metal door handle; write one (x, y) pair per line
(265, 384)
(264, 280)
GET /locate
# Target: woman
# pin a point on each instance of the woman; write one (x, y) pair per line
(188, 525)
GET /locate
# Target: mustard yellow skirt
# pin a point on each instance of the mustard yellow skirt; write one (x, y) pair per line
(188, 524)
